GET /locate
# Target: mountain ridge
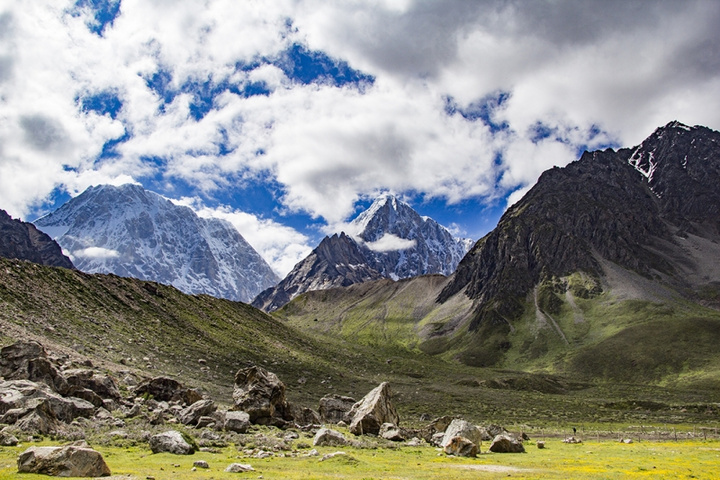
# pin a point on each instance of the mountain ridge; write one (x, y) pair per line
(387, 240)
(133, 232)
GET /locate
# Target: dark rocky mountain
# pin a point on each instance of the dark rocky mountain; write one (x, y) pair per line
(337, 262)
(391, 241)
(132, 232)
(21, 240)
(608, 268)
(653, 210)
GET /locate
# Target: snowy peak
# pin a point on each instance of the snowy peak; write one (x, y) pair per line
(388, 240)
(132, 232)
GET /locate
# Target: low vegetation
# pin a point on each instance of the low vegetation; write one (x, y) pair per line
(591, 459)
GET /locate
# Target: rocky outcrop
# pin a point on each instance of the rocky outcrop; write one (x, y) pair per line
(23, 241)
(171, 441)
(68, 461)
(376, 408)
(261, 394)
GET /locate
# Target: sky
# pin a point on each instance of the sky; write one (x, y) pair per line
(288, 117)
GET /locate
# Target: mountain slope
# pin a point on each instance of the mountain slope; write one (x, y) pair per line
(615, 247)
(23, 241)
(388, 240)
(135, 233)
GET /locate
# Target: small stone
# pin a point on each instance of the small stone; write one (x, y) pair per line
(239, 468)
(540, 444)
(201, 464)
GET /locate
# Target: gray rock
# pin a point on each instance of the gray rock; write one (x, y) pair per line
(261, 394)
(304, 416)
(461, 447)
(326, 437)
(201, 464)
(8, 440)
(461, 428)
(236, 421)
(372, 411)
(334, 407)
(164, 389)
(239, 468)
(68, 461)
(506, 444)
(191, 414)
(391, 432)
(171, 441)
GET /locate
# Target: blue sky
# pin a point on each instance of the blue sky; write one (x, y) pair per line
(289, 117)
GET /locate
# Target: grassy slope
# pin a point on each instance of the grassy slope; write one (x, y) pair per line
(114, 320)
(569, 328)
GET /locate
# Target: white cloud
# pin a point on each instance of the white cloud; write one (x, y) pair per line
(95, 253)
(390, 243)
(626, 68)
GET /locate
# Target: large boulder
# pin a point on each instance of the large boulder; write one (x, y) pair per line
(334, 408)
(68, 461)
(376, 408)
(506, 444)
(236, 421)
(261, 394)
(461, 447)
(461, 428)
(171, 442)
(326, 437)
(190, 415)
(163, 389)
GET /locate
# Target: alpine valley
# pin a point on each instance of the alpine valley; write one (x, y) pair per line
(596, 297)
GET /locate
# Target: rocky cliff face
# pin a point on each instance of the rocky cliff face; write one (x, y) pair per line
(641, 209)
(131, 232)
(390, 240)
(23, 241)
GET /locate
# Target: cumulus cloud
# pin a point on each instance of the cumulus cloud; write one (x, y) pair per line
(95, 253)
(564, 76)
(390, 243)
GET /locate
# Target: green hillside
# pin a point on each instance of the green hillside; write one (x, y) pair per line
(127, 326)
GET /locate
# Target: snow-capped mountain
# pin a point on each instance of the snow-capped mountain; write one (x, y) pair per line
(132, 232)
(404, 244)
(388, 240)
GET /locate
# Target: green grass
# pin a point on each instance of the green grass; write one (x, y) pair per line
(589, 460)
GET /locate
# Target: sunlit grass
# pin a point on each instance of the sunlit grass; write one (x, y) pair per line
(589, 460)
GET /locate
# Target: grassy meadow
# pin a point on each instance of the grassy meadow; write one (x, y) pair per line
(591, 459)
